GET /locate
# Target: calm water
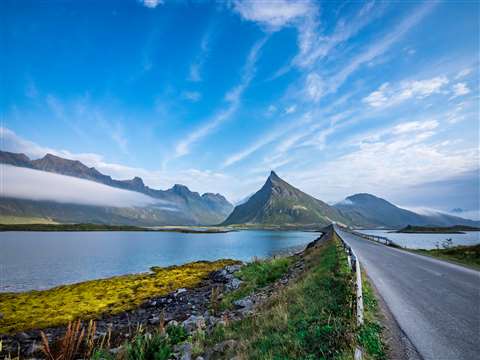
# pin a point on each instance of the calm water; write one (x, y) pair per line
(40, 260)
(426, 241)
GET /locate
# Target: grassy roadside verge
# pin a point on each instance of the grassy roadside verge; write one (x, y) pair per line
(309, 319)
(369, 336)
(87, 300)
(464, 255)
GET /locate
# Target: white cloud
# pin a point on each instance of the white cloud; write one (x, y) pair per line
(32, 184)
(314, 86)
(460, 89)
(291, 109)
(397, 160)
(388, 95)
(415, 127)
(233, 97)
(196, 66)
(152, 3)
(463, 73)
(266, 139)
(380, 47)
(193, 96)
(314, 46)
(273, 14)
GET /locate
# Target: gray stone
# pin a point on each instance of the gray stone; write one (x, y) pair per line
(185, 351)
(234, 284)
(154, 320)
(180, 291)
(245, 303)
(232, 268)
(193, 323)
(225, 346)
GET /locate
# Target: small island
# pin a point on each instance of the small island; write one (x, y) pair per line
(456, 229)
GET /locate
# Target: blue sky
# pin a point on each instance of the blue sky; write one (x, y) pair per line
(337, 97)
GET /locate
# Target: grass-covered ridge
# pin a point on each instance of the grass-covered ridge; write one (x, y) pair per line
(466, 255)
(86, 300)
(310, 319)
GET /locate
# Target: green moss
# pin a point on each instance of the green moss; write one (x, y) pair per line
(39, 309)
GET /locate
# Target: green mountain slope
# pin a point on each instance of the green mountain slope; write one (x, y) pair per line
(279, 203)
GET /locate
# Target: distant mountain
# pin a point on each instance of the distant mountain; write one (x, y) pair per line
(367, 210)
(190, 208)
(279, 203)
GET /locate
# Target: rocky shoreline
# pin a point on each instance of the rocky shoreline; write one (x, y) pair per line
(187, 307)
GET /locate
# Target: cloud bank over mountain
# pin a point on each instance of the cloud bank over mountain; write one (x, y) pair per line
(32, 184)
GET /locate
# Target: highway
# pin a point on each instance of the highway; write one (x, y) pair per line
(436, 303)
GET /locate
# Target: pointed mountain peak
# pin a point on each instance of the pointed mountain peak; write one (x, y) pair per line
(274, 176)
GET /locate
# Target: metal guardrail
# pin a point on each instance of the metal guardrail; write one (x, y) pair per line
(354, 265)
(380, 239)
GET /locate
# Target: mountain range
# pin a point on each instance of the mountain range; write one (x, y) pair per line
(279, 203)
(186, 207)
(366, 210)
(276, 203)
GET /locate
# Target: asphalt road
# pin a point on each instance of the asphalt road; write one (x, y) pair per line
(436, 303)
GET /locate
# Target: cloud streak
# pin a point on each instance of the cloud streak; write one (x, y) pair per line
(233, 98)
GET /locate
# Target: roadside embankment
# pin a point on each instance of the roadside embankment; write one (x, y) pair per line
(299, 306)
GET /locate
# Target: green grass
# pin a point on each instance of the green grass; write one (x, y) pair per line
(310, 319)
(369, 335)
(255, 275)
(7, 219)
(87, 300)
(465, 255)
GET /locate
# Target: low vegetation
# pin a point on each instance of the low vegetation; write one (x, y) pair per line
(457, 229)
(256, 275)
(466, 255)
(10, 219)
(310, 319)
(87, 300)
(370, 334)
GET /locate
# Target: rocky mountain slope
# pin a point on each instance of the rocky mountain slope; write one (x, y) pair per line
(279, 203)
(367, 210)
(187, 207)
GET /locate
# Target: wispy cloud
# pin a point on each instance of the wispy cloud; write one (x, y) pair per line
(388, 95)
(192, 96)
(265, 139)
(460, 89)
(380, 47)
(152, 4)
(273, 14)
(232, 97)
(195, 70)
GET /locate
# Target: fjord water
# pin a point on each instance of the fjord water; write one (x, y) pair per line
(426, 241)
(41, 260)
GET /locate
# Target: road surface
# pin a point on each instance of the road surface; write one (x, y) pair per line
(436, 303)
